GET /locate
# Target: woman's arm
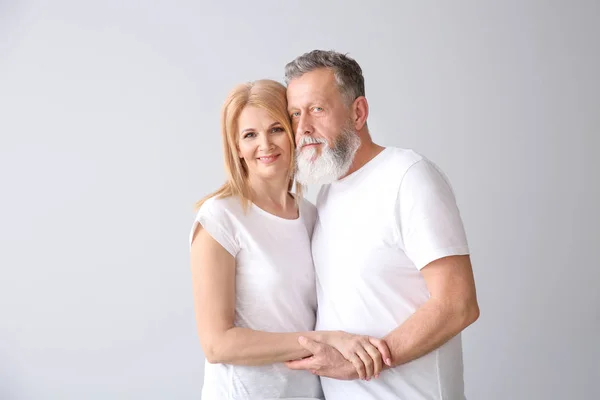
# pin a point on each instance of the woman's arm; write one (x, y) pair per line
(213, 277)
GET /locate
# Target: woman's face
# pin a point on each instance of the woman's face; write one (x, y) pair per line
(263, 144)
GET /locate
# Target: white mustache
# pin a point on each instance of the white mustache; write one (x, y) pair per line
(310, 140)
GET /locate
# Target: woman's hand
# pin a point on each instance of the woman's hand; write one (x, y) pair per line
(367, 354)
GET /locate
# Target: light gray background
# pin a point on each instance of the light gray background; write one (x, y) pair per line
(109, 122)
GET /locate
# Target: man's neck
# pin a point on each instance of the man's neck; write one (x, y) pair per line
(365, 153)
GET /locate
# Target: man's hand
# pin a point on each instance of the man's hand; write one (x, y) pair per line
(325, 361)
(367, 354)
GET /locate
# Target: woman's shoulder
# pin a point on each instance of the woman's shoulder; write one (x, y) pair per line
(219, 206)
(217, 215)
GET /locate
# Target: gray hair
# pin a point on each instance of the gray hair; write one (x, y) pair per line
(346, 70)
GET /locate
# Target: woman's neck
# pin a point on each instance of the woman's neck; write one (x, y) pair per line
(272, 196)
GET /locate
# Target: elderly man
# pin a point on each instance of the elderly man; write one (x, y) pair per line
(389, 247)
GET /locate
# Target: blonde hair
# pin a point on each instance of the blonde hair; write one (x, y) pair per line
(270, 96)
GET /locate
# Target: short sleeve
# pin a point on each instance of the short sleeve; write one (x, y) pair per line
(218, 223)
(430, 222)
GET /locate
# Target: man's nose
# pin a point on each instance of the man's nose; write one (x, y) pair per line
(303, 127)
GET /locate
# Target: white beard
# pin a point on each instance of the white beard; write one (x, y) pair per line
(331, 164)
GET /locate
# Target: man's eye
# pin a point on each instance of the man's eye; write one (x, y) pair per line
(295, 114)
(318, 109)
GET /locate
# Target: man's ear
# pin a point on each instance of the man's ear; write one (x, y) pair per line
(360, 112)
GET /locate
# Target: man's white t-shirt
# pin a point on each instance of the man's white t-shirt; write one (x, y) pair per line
(275, 292)
(375, 230)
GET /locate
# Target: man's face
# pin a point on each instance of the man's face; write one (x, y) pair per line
(326, 139)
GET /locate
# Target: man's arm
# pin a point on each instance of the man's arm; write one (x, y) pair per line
(450, 309)
(433, 237)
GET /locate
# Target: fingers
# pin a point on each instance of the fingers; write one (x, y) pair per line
(305, 363)
(383, 348)
(376, 357)
(367, 361)
(358, 364)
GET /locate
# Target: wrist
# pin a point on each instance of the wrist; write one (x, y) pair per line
(317, 336)
(325, 337)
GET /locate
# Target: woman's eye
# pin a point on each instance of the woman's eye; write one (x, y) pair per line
(249, 135)
(277, 129)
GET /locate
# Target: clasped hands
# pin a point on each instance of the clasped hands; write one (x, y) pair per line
(344, 356)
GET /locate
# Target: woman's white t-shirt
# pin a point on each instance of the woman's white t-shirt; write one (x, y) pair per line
(275, 292)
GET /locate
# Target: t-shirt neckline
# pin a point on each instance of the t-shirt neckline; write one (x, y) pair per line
(368, 165)
(276, 217)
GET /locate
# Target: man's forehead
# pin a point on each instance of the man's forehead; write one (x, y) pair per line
(320, 83)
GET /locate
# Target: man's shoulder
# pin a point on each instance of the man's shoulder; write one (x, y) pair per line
(423, 170)
(403, 157)
(397, 161)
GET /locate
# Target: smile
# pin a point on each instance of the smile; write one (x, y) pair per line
(268, 159)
